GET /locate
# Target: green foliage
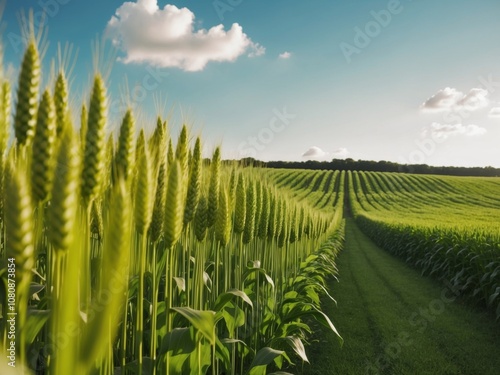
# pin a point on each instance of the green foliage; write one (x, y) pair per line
(427, 221)
(158, 260)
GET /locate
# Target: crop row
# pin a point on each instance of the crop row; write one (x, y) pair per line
(449, 236)
(137, 255)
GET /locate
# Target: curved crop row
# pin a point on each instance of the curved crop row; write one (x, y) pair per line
(449, 236)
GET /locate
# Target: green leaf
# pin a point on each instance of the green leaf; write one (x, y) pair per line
(299, 279)
(203, 321)
(233, 341)
(312, 294)
(252, 270)
(322, 318)
(222, 352)
(147, 366)
(200, 360)
(494, 296)
(34, 323)
(289, 305)
(270, 320)
(307, 309)
(177, 363)
(290, 329)
(179, 340)
(291, 295)
(226, 297)
(264, 357)
(326, 292)
(233, 317)
(246, 349)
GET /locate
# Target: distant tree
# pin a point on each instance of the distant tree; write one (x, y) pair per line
(377, 166)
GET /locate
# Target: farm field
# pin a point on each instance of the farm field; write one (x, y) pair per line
(394, 321)
(429, 201)
(446, 226)
(137, 253)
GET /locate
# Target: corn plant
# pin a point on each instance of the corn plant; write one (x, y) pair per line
(438, 233)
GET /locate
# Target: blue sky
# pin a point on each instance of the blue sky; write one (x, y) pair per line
(406, 81)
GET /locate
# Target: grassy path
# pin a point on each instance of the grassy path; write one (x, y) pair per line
(394, 321)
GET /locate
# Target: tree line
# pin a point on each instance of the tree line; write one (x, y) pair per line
(374, 166)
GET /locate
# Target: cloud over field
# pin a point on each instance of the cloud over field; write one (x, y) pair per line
(314, 153)
(495, 112)
(450, 99)
(168, 37)
(340, 153)
(445, 131)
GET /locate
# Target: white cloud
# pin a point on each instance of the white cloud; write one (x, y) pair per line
(450, 99)
(442, 100)
(285, 55)
(314, 153)
(475, 99)
(167, 37)
(341, 153)
(257, 50)
(495, 112)
(445, 131)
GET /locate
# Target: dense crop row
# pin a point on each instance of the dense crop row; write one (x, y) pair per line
(136, 254)
(322, 190)
(446, 226)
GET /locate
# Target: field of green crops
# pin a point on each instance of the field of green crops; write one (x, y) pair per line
(136, 255)
(446, 226)
(131, 253)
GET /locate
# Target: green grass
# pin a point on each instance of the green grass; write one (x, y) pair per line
(446, 227)
(394, 321)
(461, 203)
